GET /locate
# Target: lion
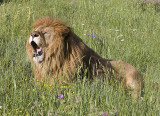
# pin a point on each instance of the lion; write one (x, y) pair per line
(56, 52)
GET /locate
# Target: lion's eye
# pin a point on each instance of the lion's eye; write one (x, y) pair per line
(45, 33)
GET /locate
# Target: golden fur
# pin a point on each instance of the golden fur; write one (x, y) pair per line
(65, 55)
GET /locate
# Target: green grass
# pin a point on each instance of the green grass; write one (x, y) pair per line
(116, 29)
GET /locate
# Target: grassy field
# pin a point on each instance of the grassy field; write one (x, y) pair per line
(116, 29)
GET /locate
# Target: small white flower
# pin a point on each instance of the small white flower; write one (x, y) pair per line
(84, 34)
(119, 35)
(116, 30)
(0, 107)
(134, 29)
(82, 24)
(122, 40)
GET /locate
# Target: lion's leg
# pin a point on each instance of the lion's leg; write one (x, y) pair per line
(133, 79)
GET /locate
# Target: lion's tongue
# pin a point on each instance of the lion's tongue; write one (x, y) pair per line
(38, 50)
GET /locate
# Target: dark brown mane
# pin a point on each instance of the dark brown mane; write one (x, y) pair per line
(82, 55)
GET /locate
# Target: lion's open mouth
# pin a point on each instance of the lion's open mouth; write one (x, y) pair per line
(37, 51)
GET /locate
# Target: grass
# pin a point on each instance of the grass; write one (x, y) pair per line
(116, 29)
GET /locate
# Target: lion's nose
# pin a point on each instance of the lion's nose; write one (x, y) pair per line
(35, 34)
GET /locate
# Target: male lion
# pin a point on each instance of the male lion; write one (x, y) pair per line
(55, 51)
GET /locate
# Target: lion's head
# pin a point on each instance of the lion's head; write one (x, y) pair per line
(46, 38)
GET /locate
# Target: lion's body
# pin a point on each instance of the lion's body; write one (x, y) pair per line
(65, 55)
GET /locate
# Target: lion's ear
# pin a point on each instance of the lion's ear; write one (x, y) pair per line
(66, 32)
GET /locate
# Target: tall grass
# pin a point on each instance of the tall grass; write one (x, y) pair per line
(116, 29)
